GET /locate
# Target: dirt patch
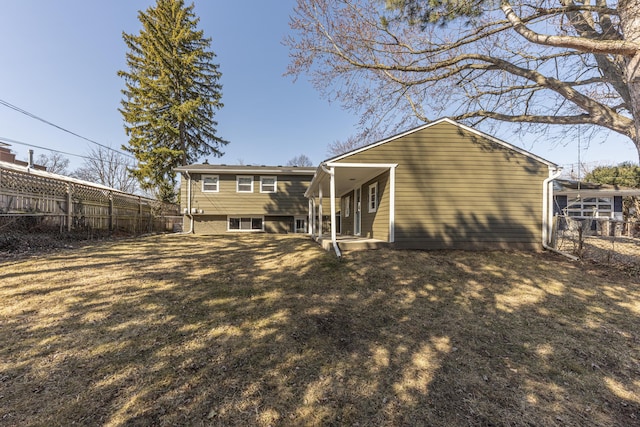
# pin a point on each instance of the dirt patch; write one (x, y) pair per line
(19, 244)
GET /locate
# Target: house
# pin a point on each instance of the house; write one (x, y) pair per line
(442, 185)
(6, 155)
(590, 200)
(601, 204)
(223, 198)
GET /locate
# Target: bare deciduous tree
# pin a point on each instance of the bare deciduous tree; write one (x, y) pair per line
(534, 64)
(110, 168)
(54, 162)
(301, 160)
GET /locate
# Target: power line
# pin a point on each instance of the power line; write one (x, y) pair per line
(13, 141)
(33, 116)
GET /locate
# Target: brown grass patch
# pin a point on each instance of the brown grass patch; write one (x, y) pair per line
(271, 330)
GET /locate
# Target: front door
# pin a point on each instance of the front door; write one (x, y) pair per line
(357, 204)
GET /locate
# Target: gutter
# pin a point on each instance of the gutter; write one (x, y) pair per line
(547, 196)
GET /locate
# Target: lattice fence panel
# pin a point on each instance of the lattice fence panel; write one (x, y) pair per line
(24, 193)
(44, 201)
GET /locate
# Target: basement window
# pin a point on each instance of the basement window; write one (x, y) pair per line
(246, 224)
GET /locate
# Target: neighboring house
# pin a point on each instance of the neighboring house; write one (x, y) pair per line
(588, 200)
(221, 198)
(601, 204)
(7, 156)
(439, 186)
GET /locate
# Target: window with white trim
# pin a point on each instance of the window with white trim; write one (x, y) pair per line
(210, 183)
(373, 197)
(347, 206)
(268, 184)
(599, 207)
(255, 223)
(300, 224)
(244, 184)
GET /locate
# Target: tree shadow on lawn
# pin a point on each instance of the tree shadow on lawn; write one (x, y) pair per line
(270, 330)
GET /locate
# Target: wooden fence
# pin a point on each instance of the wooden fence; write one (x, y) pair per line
(34, 200)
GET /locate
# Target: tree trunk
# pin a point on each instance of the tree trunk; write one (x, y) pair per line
(630, 22)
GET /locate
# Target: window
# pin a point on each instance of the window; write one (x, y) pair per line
(245, 224)
(244, 184)
(210, 183)
(300, 225)
(590, 207)
(347, 206)
(268, 184)
(373, 197)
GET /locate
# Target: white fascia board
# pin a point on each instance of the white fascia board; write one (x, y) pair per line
(362, 165)
(315, 182)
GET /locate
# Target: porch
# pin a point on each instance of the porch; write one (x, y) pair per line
(336, 180)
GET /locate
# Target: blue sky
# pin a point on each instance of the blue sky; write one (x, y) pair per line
(61, 60)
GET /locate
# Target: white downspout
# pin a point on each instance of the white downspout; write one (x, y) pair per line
(547, 200)
(332, 193)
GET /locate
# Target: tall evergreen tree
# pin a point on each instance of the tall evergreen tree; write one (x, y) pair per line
(171, 93)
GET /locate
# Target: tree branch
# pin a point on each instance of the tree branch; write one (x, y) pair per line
(615, 47)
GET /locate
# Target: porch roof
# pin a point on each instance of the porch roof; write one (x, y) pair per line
(347, 177)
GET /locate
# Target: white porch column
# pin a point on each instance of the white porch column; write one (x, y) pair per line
(332, 192)
(313, 217)
(309, 216)
(320, 211)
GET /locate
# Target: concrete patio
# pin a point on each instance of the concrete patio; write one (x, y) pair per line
(351, 243)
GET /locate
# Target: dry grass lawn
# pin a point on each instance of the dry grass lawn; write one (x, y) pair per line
(271, 330)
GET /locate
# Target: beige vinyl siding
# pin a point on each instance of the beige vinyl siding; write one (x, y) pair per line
(216, 224)
(455, 189)
(288, 200)
(279, 224)
(209, 224)
(375, 225)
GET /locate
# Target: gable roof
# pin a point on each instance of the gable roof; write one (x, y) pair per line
(434, 123)
(322, 175)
